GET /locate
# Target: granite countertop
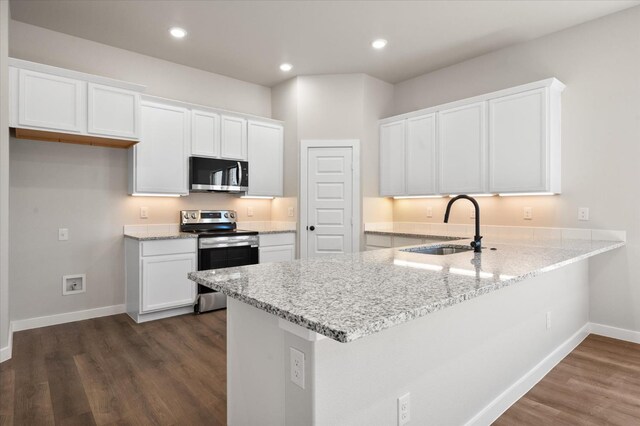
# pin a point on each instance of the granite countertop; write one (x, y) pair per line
(267, 229)
(148, 236)
(414, 235)
(346, 297)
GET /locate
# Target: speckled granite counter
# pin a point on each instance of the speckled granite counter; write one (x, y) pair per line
(346, 297)
(413, 235)
(148, 236)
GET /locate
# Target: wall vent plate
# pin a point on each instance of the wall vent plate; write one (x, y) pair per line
(73, 284)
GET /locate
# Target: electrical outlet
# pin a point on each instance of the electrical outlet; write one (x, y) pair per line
(429, 211)
(548, 320)
(290, 211)
(472, 213)
(583, 213)
(528, 213)
(297, 367)
(144, 212)
(63, 234)
(404, 409)
(250, 211)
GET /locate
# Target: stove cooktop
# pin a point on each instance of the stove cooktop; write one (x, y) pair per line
(208, 233)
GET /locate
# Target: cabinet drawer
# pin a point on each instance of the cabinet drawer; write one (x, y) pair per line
(277, 254)
(161, 247)
(287, 238)
(379, 240)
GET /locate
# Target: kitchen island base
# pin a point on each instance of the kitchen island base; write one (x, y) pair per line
(464, 364)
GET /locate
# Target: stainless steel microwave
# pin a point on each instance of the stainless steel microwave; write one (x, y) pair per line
(215, 175)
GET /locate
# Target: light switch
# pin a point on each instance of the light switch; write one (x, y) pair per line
(144, 212)
(63, 234)
(429, 211)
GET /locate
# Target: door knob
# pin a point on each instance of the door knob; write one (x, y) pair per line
(312, 228)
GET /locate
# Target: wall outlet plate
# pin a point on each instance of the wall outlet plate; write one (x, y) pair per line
(404, 409)
(429, 211)
(583, 213)
(144, 212)
(250, 211)
(290, 211)
(527, 213)
(297, 366)
(73, 284)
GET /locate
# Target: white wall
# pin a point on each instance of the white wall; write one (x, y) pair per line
(4, 175)
(599, 62)
(85, 188)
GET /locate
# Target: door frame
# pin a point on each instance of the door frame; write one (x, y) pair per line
(354, 144)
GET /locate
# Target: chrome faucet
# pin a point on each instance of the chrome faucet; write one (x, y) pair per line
(476, 243)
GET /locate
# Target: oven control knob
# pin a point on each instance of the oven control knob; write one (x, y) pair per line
(186, 215)
(226, 215)
(193, 215)
(233, 215)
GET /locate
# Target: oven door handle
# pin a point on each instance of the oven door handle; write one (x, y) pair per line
(222, 244)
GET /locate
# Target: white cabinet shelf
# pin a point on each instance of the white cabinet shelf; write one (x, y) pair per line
(266, 159)
(158, 164)
(502, 142)
(156, 277)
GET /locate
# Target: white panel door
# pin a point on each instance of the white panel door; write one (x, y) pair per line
(518, 142)
(51, 102)
(234, 138)
(113, 112)
(329, 201)
(392, 159)
(421, 155)
(266, 157)
(160, 157)
(277, 254)
(205, 134)
(462, 149)
(165, 283)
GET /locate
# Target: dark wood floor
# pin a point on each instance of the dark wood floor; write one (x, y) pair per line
(113, 371)
(173, 372)
(597, 384)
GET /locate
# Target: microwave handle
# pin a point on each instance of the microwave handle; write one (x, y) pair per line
(239, 173)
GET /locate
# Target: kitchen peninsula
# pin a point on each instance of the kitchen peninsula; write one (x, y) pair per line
(371, 327)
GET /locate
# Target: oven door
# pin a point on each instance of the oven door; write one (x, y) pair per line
(215, 175)
(223, 252)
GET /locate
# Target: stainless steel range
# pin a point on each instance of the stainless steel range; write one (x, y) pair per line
(220, 245)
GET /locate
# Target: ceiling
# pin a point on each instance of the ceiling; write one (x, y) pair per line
(248, 40)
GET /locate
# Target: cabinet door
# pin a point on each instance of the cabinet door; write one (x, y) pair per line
(421, 155)
(50, 102)
(266, 154)
(160, 159)
(518, 142)
(234, 138)
(277, 254)
(113, 112)
(205, 134)
(392, 159)
(462, 149)
(164, 282)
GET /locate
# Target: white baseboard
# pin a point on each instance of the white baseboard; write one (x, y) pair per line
(28, 324)
(517, 390)
(615, 332)
(5, 353)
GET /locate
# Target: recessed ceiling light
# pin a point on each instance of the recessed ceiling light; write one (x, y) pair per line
(286, 67)
(379, 43)
(178, 32)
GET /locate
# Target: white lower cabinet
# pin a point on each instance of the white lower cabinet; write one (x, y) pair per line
(156, 277)
(277, 247)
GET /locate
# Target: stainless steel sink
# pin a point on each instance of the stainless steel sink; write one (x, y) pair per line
(439, 250)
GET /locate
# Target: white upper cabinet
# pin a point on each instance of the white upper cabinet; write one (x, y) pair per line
(421, 155)
(50, 102)
(392, 158)
(159, 161)
(234, 138)
(524, 149)
(502, 142)
(205, 133)
(462, 144)
(266, 158)
(113, 112)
